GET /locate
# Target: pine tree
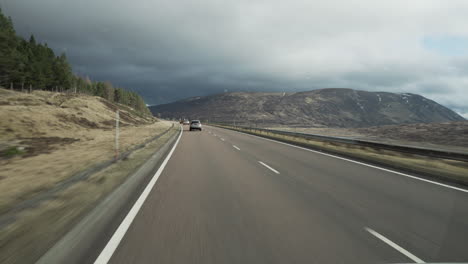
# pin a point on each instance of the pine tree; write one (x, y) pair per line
(62, 71)
(8, 54)
(27, 62)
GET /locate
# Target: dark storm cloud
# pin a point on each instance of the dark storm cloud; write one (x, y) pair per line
(169, 50)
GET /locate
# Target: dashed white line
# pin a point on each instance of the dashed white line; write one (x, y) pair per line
(234, 146)
(270, 168)
(222, 139)
(361, 163)
(114, 242)
(394, 245)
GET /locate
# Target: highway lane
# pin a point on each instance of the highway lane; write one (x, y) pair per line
(227, 197)
(429, 219)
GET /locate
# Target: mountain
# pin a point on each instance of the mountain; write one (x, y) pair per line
(333, 107)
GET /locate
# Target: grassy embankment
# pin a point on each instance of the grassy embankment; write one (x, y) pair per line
(447, 136)
(46, 138)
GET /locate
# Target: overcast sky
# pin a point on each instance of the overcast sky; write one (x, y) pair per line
(168, 49)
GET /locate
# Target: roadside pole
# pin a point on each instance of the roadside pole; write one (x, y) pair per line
(117, 119)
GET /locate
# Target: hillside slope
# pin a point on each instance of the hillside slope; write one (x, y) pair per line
(334, 107)
(45, 137)
(57, 160)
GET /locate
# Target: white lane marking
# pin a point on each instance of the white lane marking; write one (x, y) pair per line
(222, 139)
(364, 164)
(273, 170)
(114, 242)
(234, 146)
(394, 245)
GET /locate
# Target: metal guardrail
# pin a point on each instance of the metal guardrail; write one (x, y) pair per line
(433, 153)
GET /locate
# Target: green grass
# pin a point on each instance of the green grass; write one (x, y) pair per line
(12, 151)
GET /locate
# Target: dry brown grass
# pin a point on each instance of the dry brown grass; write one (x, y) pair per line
(36, 229)
(450, 136)
(62, 135)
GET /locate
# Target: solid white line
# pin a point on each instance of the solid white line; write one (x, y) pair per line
(395, 246)
(234, 146)
(361, 163)
(108, 251)
(273, 170)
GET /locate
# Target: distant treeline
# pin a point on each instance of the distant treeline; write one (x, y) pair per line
(26, 64)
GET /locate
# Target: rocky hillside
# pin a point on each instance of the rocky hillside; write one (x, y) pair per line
(317, 108)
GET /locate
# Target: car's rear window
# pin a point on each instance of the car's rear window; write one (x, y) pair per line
(195, 121)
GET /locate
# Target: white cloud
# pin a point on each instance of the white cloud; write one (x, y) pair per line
(465, 115)
(368, 44)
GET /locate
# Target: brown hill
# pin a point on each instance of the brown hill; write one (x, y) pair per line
(334, 107)
(46, 137)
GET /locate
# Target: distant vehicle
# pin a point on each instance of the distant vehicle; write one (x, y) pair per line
(186, 122)
(195, 125)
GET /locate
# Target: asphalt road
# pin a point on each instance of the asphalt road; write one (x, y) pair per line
(227, 197)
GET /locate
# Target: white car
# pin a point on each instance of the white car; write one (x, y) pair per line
(195, 125)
